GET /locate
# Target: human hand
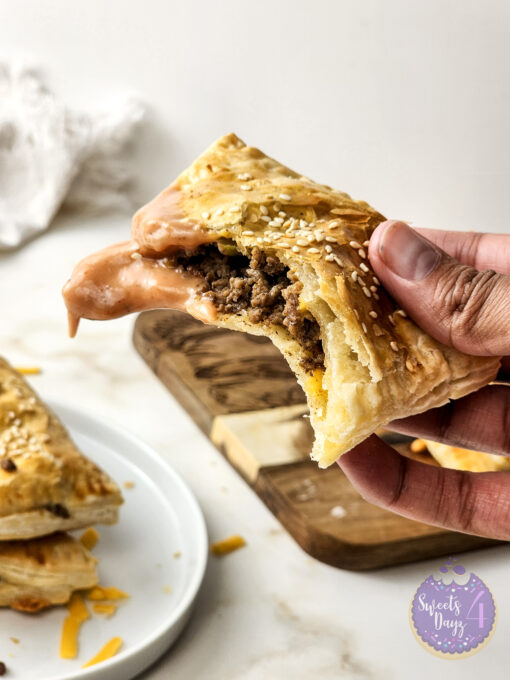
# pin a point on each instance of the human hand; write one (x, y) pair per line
(456, 286)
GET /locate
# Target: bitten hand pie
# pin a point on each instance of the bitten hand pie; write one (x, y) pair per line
(46, 484)
(455, 458)
(241, 241)
(44, 571)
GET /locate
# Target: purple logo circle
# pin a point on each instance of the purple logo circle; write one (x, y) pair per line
(453, 612)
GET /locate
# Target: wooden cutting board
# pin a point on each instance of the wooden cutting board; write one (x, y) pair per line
(241, 393)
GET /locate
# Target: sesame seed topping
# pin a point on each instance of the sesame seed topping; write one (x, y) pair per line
(245, 187)
(235, 208)
(373, 289)
(364, 267)
(328, 249)
(330, 257)
(259, 240)
(372, 314)
(219, 212)
(366, 244)
(377, 331)
(265, 218)
(354, 244)
(394, 346)
(295, 249)
(283, 244)
(264, 210)
(354, 276)
(363, 326)
(391, 319)
(303, 224)
(313, 250)
(274, 223)
(136, 255)
(376, 296)
(334, 224)
(248, 232)
(376, 280)
(285, 197)
(330, 239)
(206, 215)
(310, 238)
(244, 176)
(362, 253)
(356, 313)
(401, 312)
(302, 242)
(338, 261)
(409, 366)
(366, 291)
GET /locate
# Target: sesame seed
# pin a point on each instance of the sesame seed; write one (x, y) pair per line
(310, 238)
(254, 218)
(206, 215)
(354, 276)
(319, 236)
(366, 244)
(303, 224)
(363, 326)
(376, 280)
(334, 224)
(409, 366)
(265, 218)
(391, 319)
(356, 313)
(219, 212)
(362, 253)
(285, 197)
(277, 207)
(330, 239)
(264, 210)
(338, 261)
(295, 249)
(277, 235)
(377, 331)
(364, 267)
(235, 208)
(136, 255)
(328, 249)
(244, 176)
(274, 223)
(366, 291)
(401, 312)
(313, 250)
(278, 220)
(376, 296)
(372, 314)
(373, 289)
(248, 232)
(354, 244)
(259, 240)
(245, 187)
(283, 244)
(302, 242)
(330, 257)
(394, 346)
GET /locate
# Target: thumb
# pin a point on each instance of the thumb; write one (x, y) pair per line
(458, 305)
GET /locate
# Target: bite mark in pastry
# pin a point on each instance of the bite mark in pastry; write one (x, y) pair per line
(241, 241)
(44, 571)
(46, 483)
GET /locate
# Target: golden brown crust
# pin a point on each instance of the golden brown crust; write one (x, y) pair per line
(46, 483)
(379, 365)
(44, 571)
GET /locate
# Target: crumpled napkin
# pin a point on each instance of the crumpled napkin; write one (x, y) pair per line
(51, 155)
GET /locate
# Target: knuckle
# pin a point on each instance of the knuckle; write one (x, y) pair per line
(463, 292)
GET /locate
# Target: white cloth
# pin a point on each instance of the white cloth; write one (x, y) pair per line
(51, 155)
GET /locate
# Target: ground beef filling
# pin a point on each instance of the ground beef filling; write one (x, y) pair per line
(259, 284)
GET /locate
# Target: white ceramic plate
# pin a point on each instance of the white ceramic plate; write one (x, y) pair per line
(160, 517)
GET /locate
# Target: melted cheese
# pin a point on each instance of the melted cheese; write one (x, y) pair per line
(228, 545)
(99, 593)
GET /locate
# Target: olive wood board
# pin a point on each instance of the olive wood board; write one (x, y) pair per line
(244, 397)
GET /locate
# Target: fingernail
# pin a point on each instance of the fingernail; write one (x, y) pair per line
(406, 253)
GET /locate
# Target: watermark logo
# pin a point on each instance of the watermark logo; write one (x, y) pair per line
(453, 612)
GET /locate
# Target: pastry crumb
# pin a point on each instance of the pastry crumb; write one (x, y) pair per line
(15, 640)
(167, 590)
(129, 485)
(338, 512)
(228, 545)
(177, 554)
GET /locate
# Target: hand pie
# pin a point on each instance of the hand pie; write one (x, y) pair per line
(46, 484)
(44, 571)
(240, 241)
(456, 458)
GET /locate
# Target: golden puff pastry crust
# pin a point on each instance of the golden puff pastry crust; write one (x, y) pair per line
(44, 571)
(455, 458)
(370, 363)
(46, 483)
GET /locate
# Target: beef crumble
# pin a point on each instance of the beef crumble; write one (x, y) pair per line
(259, 284)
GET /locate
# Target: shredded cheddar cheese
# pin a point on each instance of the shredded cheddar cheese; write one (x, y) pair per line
(89, 538)
(110, 649)
(418, 446)
(106, 609)
(99, 593)
(28, 370)
(69, 639)
(228, 545)
(77, 607)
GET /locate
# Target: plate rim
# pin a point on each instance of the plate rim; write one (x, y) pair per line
(66, 412)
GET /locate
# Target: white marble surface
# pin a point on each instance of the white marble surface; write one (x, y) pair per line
(403, 103)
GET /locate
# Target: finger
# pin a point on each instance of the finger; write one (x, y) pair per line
(480, 421)
(481, 251)
(474, 503)
(455, 303)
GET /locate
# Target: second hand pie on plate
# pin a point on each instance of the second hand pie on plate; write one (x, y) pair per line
(241, 241)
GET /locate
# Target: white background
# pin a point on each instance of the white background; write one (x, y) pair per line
(404, 104)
